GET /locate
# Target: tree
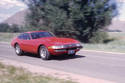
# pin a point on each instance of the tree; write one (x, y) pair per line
(4, 27)
(83, 17)
(14, 28)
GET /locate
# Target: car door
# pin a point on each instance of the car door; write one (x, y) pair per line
(20, 41)
(26, 43)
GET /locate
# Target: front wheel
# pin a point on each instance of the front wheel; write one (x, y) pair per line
(72, 55)
(43, 52)
(18, 50)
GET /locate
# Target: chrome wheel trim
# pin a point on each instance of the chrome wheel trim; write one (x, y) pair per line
(43, 53)
(17, 49)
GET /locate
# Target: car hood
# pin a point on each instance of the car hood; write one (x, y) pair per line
(59, 41)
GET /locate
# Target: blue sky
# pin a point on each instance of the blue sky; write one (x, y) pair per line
(10, 7)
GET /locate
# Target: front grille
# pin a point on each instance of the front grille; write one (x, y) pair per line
(71, 48)
(60, 50)
(70, 45)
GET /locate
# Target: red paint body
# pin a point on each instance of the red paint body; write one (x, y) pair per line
(32, 45)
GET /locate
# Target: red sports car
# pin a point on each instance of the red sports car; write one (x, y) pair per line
(45, 44)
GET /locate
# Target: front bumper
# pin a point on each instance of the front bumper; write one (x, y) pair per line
(64, 51)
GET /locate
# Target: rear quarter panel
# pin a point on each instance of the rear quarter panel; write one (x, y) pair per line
(13, 42)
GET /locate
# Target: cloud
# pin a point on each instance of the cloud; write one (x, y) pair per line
(10, 7)
(6, 4)
(4, 16)
(12, 2)
(121, 10)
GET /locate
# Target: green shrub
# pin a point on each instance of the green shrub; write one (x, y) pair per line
(4, 27)
(14, 28)
(99, 37)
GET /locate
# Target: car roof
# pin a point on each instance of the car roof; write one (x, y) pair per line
(34, 31)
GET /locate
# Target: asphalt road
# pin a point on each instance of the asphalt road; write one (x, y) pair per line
(93, 64)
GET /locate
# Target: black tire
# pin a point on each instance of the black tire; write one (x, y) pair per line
(18, 50)
(72, 55)
(44, 53)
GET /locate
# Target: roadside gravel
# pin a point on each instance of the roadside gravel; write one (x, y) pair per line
(51, 72)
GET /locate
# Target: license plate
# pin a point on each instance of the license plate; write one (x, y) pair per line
(71, 52)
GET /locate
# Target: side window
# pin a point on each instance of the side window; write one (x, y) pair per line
(20, 36)
(26, 36)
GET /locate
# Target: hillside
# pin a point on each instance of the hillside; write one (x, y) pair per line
(18, 18)
(117, 25)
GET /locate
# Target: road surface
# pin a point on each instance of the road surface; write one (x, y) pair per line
(105, 66)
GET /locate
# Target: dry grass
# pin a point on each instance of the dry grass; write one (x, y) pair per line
(7, 37)
(116, 44)
(10, 74)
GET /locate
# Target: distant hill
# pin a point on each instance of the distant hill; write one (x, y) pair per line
(117, 25)
(18, 18)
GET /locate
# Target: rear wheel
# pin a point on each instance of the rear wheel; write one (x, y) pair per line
(43, 52)
(18, 50)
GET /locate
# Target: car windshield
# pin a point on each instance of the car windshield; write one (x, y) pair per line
(36, 35)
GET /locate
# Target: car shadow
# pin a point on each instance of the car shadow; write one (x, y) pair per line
(66, 57)
(59, 58)
(31, 55)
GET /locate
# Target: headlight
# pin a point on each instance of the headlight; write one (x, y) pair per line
(66, 46)
(58, 47)
(78, 45)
